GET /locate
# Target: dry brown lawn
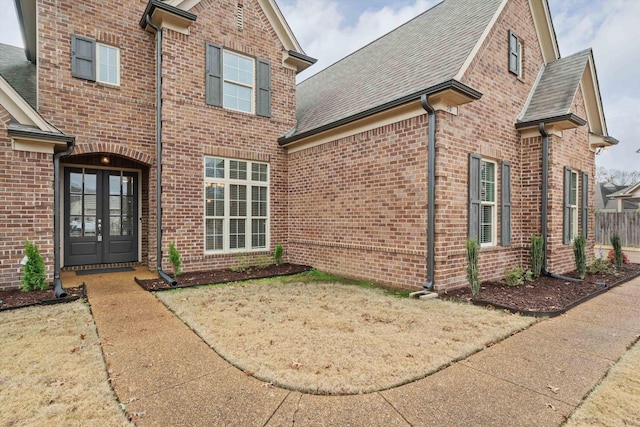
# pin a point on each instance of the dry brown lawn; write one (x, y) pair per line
(52, 371)
(332, 338)
(616, 400)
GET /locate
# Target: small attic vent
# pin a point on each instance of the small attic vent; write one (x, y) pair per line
(240, 16)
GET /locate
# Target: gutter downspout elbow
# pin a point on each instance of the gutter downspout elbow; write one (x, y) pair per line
(545, 201)
(57, 283)
(431, 191)
(164, 276)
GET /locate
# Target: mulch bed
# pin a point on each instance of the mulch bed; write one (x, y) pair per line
(544, 296)
(16, 298)
(211, 277)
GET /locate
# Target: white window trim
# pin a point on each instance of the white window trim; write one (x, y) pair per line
(97, 64)
(494, 205)
(252, 86)
(227, 181)
(573, 208)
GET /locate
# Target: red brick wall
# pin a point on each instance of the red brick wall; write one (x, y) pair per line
(193, 129)
(26, 211)
(486, 127)
(357, 206)
(121, 120)
(569, 150)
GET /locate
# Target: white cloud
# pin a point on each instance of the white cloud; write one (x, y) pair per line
(9, 30)
(323, 32)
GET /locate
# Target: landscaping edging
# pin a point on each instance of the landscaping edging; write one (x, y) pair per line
(83, 295)
(253, 275)
(555, 313)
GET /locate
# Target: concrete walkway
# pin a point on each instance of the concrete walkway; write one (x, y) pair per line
(166, 375)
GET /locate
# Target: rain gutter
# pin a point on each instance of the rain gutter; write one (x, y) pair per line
(57, 283)
(545, 201)
(431, 191)
(161, 273)
(450, 84)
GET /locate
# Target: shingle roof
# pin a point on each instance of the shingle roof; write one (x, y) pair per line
(426, 51)
(554, 92)
(20, 73)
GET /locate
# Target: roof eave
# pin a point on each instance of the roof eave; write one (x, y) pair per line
(461, 89)
(569, 120)
(297, 60)
(159, 12)
(40, 135)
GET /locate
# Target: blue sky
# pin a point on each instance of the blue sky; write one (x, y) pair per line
(331, 29)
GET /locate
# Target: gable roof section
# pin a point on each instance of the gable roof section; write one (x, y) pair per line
(18, 72)
(423, 53)
(553, 94)
(631, 191)
(293, 54)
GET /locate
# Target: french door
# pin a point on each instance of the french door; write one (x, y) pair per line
(100, 216)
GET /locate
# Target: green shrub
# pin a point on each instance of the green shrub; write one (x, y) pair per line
(536, 255)
(33, 272)
(601, 265)
(277, 254)
(242, 266)
(515, 276)
(580, 255)
(472, 265)
(174, 259)
(618, 257)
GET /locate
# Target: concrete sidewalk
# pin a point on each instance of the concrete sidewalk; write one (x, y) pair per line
(166, 375)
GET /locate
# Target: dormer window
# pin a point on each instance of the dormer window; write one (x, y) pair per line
(515, 54)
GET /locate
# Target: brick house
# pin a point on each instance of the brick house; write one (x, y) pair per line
(379, 167)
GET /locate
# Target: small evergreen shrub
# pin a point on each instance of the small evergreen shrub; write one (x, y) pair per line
(618, 257)
(536, 255)
(277, 254)
(472, 265)
(174, 259)
(516, 276)
(33, 272)
(580, 255)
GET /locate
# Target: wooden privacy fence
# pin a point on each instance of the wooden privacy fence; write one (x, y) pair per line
(625, 224)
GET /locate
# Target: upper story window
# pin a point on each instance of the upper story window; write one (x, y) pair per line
(515, 54)
(94, 61)
(237, 82)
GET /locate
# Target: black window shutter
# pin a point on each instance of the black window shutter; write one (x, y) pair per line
(263, 89)
(213, 74)
(514, 53)
(585, 205)
(505, 211)
(83, 57)
(566, 224)
(475, 178)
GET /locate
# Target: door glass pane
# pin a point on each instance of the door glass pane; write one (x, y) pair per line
(75, 226)
(90, 183)
(127, 186)
(114, 205)
(89, 226)
(75, 183)
(114, 226)
(75, 204)
(114, 185)
(127, 208)
(90, 205)
(127, 226)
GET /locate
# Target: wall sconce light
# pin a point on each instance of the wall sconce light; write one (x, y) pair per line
(105, 160)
